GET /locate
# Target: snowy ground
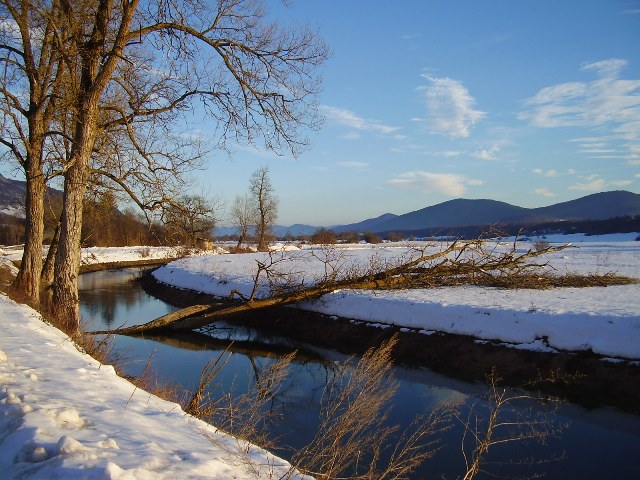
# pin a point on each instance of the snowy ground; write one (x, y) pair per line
(605, 320)
(65, 416)
(94, 255)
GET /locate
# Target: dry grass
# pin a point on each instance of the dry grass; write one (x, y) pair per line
(354, 438)
(527, 280)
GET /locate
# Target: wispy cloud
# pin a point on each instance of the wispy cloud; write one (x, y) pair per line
(450, 107)
(353, 164)
(545, 192)
(352, 120)
(553, 172)
(490, 153)
(595, 183)
(449, 184)
(608, 103)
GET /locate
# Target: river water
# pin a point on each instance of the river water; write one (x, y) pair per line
(591, 444)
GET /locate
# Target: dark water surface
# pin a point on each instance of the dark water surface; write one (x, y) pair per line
(594, 444)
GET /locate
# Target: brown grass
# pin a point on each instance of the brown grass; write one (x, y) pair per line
(529, 280)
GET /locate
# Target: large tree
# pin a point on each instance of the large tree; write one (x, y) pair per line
(265, 205)
(30, 92)
(135, 68)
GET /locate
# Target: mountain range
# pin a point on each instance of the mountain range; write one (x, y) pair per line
(12, 195)
(450, 214)
(463, 212)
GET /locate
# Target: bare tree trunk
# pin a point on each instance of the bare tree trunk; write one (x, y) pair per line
(28, 280)
(67, 264)
(46, 278)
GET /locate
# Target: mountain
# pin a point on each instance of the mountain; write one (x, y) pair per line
(13, 193)
(453, 213)
(461, 212)
(598, 206)
(366, 225)
(296, 230)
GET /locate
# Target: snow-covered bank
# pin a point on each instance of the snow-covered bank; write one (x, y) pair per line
(97, 255)
(64, 415)
(605, 320)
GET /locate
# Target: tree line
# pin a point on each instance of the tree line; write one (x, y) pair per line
(98, 94)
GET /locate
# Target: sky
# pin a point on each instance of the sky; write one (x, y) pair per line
(530, 102)
(527, 102)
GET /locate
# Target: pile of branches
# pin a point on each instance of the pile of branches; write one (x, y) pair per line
(461, 263)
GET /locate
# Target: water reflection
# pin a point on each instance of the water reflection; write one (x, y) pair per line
(600, 443)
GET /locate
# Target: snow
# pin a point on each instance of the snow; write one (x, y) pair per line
(94, 255)
(605, 320)
(64, 415)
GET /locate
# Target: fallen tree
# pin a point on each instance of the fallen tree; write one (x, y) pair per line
(461, 263)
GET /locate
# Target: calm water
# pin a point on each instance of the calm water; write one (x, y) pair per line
(594, 444)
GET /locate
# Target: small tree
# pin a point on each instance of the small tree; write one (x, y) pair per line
(242, 215)
(322, 236)
(190, 219)
(265, 205)
(395, 237)
(370, 237)
(349, 237)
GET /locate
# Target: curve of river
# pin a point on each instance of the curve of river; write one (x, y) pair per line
(593, 444)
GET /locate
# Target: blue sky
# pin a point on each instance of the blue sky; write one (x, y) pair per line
(531, 102)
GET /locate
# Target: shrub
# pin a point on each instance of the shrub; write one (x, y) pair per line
(371, 237)
(395, 237)
(323, 236)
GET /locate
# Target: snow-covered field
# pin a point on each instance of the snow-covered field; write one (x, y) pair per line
(605, 320)
(65, 416)
(95, 255)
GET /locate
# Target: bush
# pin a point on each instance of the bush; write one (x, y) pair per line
(395, 237)
(371, 238)
(541, 244)
(323, 236)
(349, 237)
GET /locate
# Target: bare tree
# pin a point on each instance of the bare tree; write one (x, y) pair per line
(133, 68)
(265, 205)
(242, 216)
(29, 91)
(189, 220)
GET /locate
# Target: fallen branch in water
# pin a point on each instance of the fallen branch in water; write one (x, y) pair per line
(461, 263)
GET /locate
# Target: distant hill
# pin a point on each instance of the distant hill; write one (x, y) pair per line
(368, 225)
(13, 193)
(459, 213)
(462, 212)
(598, 206)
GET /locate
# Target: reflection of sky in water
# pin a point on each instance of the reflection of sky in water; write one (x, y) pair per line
(111, 299)
(598, 444)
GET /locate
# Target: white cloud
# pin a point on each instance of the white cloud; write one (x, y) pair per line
(594, 183)
(450, 107)
(608, 103)
(352, 120)
(544, 192)
(446, 183)
(353, 164)
(490, 153)
(552, 172)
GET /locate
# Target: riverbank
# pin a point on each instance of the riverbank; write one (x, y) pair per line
(64, 415)
(591, 380)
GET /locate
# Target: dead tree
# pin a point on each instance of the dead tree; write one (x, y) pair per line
(460, 262)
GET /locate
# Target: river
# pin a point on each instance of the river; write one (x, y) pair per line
(591, 443)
